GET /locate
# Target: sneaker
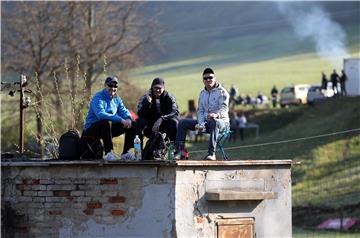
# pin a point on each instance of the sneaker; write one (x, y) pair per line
(128, 156)
(110, 156)
(210, 157)
(176, 155)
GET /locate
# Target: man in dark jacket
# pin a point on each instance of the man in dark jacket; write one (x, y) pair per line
(334, 77)
(343, 79)
(157, 111)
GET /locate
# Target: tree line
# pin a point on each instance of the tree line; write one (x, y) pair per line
(67, 48)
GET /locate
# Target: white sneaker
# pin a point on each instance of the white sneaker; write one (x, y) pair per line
(110, 156)
(128, 156)
(210, 157)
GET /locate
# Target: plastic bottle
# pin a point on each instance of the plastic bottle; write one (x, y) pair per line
(171, 151)
(137, 147)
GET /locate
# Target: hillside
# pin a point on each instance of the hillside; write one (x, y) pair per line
(249, 44)
(194, 29)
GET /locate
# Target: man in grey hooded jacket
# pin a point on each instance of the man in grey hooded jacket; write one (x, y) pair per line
(212, 115)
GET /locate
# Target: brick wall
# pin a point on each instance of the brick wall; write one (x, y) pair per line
(56, 202)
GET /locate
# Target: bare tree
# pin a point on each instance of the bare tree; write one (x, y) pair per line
(107, 34)
(92, 38)
(29, 43)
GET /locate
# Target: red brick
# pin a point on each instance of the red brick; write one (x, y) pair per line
(88, 211)
(61, 193)
(22, 229)
(20, 187)
(55, 213)
(94, 205)
(70, 198)
(108, 181)
(117, 199)
(117, 212)
(35, 181)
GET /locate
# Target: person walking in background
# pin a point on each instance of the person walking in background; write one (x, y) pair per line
(157, 111)
(212, 115)
(324, 81)
(232, 92)
(274, 94)
(242, 125)
(343, 79)
(234, 125)
(108, 117)
(334, 80)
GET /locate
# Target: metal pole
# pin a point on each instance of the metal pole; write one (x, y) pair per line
(21, 142)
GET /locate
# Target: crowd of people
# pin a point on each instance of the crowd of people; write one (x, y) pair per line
(157, 111)
(337, 82)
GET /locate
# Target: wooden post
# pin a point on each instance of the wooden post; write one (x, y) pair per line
(22, 116)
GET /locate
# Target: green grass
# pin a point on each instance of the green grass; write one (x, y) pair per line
(306, 233)
(184, 79)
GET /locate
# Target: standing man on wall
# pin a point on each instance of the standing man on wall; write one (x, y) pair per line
(212, 115)
(108, 117)
(157, 111)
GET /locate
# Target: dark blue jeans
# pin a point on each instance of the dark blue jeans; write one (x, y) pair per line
(214, 127)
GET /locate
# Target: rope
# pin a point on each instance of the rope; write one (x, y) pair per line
(283, 141)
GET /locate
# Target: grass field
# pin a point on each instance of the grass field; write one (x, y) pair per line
(184, 79)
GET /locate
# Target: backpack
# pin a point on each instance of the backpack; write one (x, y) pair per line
(156, 147)
(69, 145)
(91, 148)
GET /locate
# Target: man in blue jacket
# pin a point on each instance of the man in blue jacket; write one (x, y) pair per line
(108, 117)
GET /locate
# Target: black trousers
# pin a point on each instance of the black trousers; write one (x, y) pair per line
(168, 126)
(106, 130)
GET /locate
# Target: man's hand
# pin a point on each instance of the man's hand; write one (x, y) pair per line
(126, 123)
(212, 116)
(148, 96)
(157, 124)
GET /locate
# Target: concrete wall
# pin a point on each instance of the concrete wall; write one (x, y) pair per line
(77, 200)
(196, 215)
(140, 199)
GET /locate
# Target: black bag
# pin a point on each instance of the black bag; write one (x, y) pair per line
(69, 145)
(92, 148)
(156, 147)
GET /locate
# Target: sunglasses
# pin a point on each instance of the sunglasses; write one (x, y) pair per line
(112, 85)
(157, 88)
(207, 78)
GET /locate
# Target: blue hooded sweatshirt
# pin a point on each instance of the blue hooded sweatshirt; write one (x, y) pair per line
(104, 107)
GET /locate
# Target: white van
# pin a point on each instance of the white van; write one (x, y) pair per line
(294, 95)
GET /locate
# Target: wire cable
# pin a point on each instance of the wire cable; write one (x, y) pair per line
(283, 141)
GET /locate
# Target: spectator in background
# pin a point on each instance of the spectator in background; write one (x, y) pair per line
(212, 116)
(242, 125)
(343, 79)
(324, 81)
(108, 117)
(334, 80)
(274, 94)
(232, 92)
(157, 111)
(234, 125)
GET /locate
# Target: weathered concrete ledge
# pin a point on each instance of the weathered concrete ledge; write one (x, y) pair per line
(149, 162)
(146, 198)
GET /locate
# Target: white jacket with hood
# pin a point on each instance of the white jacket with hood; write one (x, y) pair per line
(216, 101)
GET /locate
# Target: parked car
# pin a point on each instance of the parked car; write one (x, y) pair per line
(316, 93)
(294, 95)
